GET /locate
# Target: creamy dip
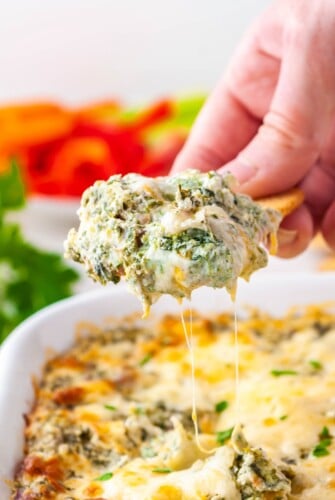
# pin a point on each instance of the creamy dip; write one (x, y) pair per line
(170, 235)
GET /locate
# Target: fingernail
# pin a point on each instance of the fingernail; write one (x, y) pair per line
(286, 236)
(243, 172)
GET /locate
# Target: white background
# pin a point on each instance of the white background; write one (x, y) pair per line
(77, 50)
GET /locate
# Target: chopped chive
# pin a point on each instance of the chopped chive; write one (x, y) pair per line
(325, 442)
(221, 406)
(104, 477)
(320, 450)
(223, 436)
(325, 434)
(145, 360)
(315, 364)
(162, 470)
(110, 407)
(280, 373)
(283, 417)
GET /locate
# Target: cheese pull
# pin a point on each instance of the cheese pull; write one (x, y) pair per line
(285, 202)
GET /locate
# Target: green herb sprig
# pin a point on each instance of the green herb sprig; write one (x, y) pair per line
(315, 364)
(104, 477)
(110, 407)
(30, 278)
(281, 373)
(321, 449)
(221, 406)
(162, 470)
(145, 359)
(223, 436)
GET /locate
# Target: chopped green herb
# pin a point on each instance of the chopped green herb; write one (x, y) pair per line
(145, 360)
(283, 417)
(110, 407)
(162, 470)
(221, 406)
(280, 373)
(223, 436)
(104, 477)
(139, 410)
(315, 364)
(325, 434)
(320, 450)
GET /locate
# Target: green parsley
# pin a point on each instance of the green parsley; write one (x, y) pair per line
(221, 406)
(110, 407)
(162, 470)
(315, 364)
(280, 373)
(145, 359)
(104, 477)
(30, 278)
(223, 436)
(321, 449)
(325, 434)
(283, 417)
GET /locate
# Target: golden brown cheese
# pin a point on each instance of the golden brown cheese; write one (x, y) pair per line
(112, 418)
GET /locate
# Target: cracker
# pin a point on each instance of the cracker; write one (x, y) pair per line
(285, 202)
(327, 264)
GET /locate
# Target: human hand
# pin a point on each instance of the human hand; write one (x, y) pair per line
(271, 119)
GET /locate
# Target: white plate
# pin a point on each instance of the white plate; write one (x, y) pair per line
(23, 354)
(46, 220)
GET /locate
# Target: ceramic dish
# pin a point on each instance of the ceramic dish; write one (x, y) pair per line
(24, 353)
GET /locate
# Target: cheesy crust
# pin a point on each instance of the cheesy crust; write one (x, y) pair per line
(112, 418)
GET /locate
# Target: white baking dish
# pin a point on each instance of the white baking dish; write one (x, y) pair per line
(23, 354)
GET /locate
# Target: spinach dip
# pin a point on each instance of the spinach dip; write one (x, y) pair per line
(170, 235)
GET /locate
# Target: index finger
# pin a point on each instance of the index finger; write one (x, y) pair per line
(224, 127)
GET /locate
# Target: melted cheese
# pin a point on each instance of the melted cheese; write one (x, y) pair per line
(117, 406)
(170, 235)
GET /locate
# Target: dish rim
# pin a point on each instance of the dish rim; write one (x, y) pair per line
(93, 304)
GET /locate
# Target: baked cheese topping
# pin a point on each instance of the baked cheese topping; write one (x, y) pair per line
(170, 235)
(112, 418)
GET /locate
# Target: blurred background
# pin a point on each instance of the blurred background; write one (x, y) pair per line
(77, 51)
(90, 88)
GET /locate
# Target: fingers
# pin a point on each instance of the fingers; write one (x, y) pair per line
(319, 188)
(290, 140)
(223, 127)
(295, 233)
(328, 226)
(233, 112)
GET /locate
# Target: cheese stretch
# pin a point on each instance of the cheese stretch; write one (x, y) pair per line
(113, 414)
(170, 235)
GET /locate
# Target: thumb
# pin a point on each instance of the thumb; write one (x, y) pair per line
(293, 131)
